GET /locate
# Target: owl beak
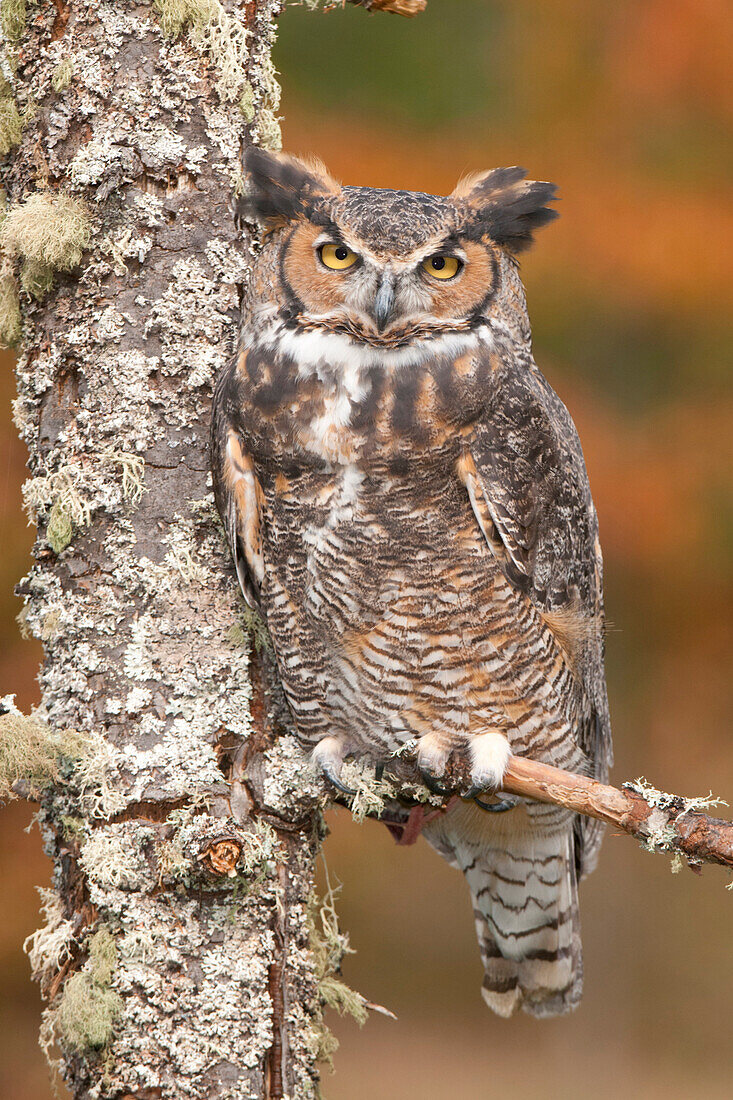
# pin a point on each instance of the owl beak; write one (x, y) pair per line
(384, 300)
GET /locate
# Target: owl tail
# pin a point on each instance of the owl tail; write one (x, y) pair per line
(522, 878)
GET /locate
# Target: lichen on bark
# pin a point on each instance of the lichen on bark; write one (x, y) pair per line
(184, 834)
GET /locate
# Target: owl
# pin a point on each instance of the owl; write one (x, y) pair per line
(407, 505)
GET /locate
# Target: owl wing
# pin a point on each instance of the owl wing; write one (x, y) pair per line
(525, 475)
(238, 494)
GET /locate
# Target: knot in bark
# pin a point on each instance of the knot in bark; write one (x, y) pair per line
(220, 856)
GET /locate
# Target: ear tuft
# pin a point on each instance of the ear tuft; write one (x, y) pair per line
(281, 188)
(507, 206)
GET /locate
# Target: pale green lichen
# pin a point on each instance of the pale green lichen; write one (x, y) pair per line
(664, 801)
(89, 1005)
(328, 945)
(371, 793)
(61, 494)
(60, 529)
(31, 753)
(247, 102)
(47, 232)
(33, 756)
(49, 626)
(11, 123)
(260, 850)
(269, 131)
(236, 636)
(660, 828)
(181, 556)
(109, 860)
(216, 33)
(133, 473)
(10, 319)
(62, 74)
(95, 769)
(50, 947)
(251, 626)
(12, 19)
(173, 864)
(24, 628)
(268, 124)
(75, 828)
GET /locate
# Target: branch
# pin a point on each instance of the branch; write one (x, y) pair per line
(662, 822)
(408, 8)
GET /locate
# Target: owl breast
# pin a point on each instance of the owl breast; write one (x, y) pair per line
(393, 617)
(375, 408)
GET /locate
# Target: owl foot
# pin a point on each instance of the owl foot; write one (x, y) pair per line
(477, 764)
(490, 754)
(432, 762)
(328, 756)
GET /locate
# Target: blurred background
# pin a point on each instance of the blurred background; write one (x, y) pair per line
(628, 107)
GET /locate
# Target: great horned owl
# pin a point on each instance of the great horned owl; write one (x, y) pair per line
(407, 504)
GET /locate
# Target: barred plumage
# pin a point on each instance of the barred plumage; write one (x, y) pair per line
(407, 503)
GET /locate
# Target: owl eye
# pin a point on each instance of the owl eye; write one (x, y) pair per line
(442, 267)
(337, 256)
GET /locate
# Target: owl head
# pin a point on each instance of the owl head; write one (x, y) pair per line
(390, 267)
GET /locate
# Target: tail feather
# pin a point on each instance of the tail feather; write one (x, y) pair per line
(523, 882)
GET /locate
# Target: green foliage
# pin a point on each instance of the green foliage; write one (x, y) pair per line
(47, 232)
(31, 753)
(427, 71)
(89, 1006)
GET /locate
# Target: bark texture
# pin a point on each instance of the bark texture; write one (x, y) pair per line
(176, 957)
(662, 822)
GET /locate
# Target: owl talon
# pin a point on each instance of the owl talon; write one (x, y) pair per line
(331, 775)
(499, 807)
(379, 772)
(432, 783)
(328, 755)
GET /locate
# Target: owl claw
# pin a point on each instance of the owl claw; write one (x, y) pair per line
(499, 807)
(432, 783)
(328, 756)
(379, 771)
(330, 773)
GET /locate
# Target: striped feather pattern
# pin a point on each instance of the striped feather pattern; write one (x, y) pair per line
(522, 877)
(412, 515)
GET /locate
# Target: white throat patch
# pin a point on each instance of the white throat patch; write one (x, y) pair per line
(315, 348)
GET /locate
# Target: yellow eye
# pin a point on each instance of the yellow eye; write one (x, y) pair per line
(442, 267)
(337, 256)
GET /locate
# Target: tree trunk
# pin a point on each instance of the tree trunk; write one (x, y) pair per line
(180, 957)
